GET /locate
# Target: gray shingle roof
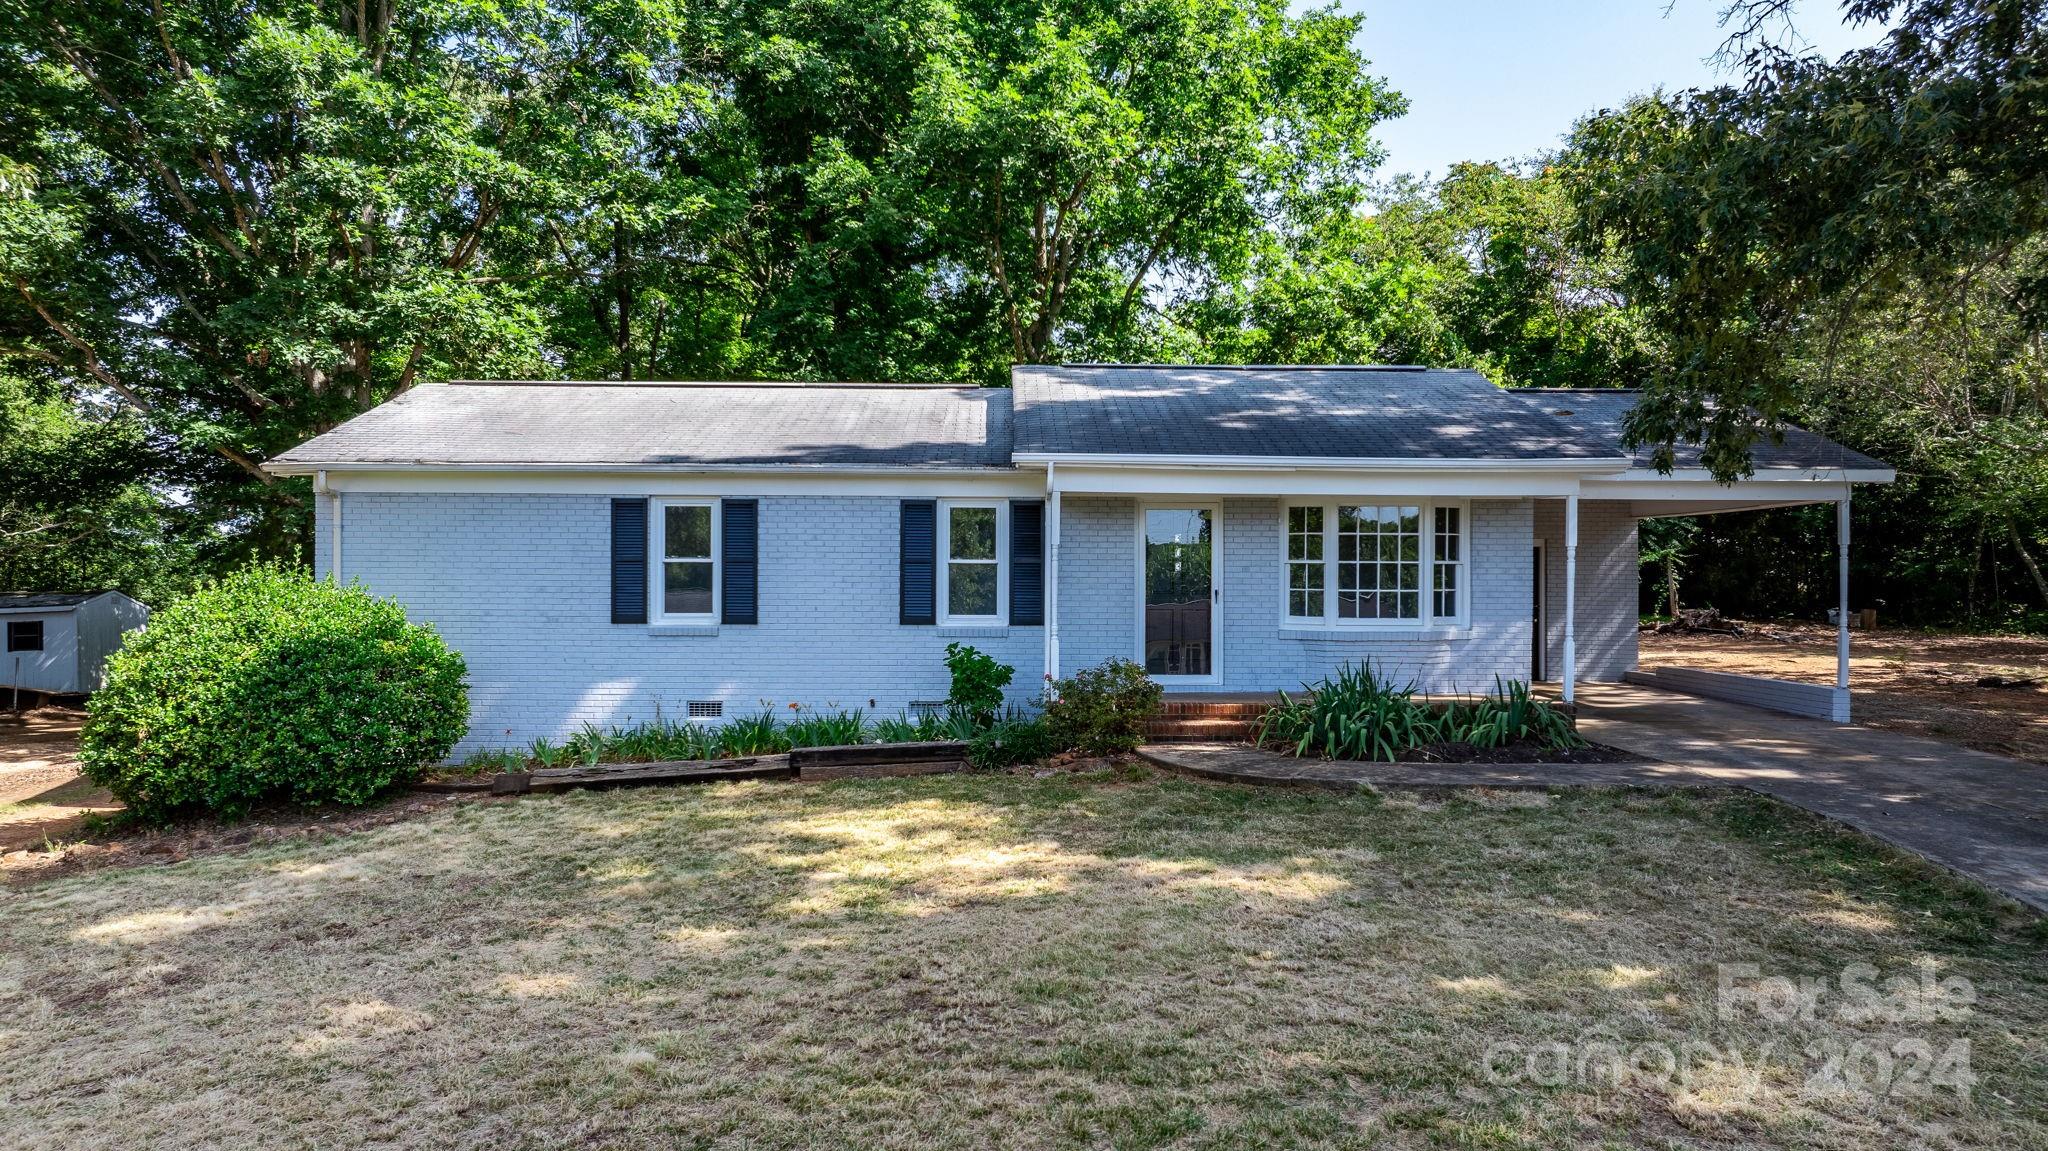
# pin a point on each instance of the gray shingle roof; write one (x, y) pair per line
(1076, 409)
(1350, 413)
(45, 600)
(1600, 412)
(520, 425)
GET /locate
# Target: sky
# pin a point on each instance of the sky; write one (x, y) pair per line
(1505, 79)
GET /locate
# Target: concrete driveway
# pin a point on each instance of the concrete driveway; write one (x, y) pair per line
(1983, 815)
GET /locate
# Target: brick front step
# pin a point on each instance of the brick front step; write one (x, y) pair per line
(1214, 709)
(1182, 729)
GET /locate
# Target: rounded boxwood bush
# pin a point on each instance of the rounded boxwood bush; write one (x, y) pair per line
(270, 684)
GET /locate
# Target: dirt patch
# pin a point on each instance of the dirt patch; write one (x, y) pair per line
(1907, 681)
(42, 796)
(117, 844)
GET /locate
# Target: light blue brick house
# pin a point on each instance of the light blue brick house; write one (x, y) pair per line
(607, 553)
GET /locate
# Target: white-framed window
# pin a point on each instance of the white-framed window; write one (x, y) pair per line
(686, 578)
(1373, 563)
(974, 546)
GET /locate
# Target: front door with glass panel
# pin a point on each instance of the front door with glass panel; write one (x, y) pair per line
(1177, 557)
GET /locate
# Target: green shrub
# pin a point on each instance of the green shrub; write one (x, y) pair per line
(1102, 710)
(978, 681)
(272, 685)
(1013, 739)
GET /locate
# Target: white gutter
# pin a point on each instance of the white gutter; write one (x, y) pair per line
(1318, 463)
(1762, 475)
(295, 468)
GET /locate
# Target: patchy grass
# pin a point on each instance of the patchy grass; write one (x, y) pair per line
(971, 961)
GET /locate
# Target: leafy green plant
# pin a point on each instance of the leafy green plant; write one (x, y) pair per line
(489, 761)
(1356, 714)
(978, 681)
(1360, 714)
(835, 730)
(589, 746)
(761, 734)
(898, 729)
(270, 684)
(1510, 715)
(957, 723)
(1012, 739)
(546, 753)
(1102, 710)
(692, 741)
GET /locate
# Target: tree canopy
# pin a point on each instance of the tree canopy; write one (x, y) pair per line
(227, 227)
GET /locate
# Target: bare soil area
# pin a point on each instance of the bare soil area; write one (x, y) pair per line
(1917, 682)
(42, 795)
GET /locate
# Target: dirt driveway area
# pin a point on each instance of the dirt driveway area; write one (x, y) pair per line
(41, 793)
(1909, 681)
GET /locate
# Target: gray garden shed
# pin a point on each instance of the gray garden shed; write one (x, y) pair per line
(58, 643)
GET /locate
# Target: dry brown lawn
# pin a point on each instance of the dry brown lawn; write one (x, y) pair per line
(1108, 960)
(1919, 682)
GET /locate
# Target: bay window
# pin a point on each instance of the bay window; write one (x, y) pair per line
(1369, 564)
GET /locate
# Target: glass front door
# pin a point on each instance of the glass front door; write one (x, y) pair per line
(1178, 552)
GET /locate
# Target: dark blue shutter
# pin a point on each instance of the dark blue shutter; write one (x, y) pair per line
(1027, 562)
(629, 561)
(739, 546)
(918, 562)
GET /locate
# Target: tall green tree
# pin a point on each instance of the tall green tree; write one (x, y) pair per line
(247, 222)
(1761, 221)
(1480, 269)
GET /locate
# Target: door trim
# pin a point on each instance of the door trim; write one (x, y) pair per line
(1539, 593)
(1215, 510)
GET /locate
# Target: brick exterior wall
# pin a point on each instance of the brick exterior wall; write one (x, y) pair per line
(520, 584)
(1099, 595)
(1606, 593)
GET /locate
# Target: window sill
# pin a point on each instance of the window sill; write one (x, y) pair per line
(1377, 634)
(974, 630)
(682, 629)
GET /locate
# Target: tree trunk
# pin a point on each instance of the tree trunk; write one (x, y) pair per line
(2027, 558)
(1976, 566)
(1671, 585)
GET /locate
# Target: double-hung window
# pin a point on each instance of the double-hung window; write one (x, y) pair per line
(973, 540)
(24, 635)
(686, 580)
(1367, 564)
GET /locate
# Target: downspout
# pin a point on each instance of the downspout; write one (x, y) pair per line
(1052, 576)
(322, 488)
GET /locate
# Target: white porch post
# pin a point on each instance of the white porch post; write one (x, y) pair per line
(1571, 592)
(1052, 575)
(1842, 607)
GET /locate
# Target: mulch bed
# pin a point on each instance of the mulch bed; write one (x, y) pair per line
(1524, 752)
